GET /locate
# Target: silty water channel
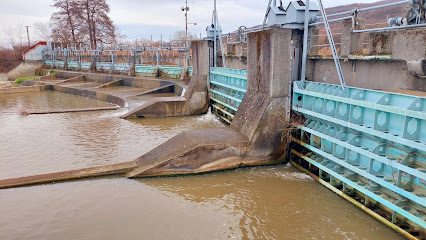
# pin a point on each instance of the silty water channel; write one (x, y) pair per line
(273, 202)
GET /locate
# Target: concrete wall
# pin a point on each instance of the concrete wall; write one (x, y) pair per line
(24, 69)
(392, 59)
(371, 74)
(35, 54)
(234, 62)
(201, 57)
(235, 56)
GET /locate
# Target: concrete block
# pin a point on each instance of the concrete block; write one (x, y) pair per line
(352, 43)
(193, 152)
(417, 67)
(314, 41)
(269, 61)
(198, 83)
(196, 93)
(250, 113)
(380, 43)
(240, 49)
(200, 57)
(270, 140)
(409, 44)
(161, 107)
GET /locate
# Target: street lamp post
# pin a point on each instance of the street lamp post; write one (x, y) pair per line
(186, 9)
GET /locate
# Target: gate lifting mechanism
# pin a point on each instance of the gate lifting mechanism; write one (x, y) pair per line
(214, 33)
(298, 15)
(416, 14)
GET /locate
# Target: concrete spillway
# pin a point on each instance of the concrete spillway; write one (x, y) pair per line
(254, 138)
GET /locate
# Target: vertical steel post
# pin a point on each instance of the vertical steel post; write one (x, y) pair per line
(186, 23)
(268, 9)
(221, 46)
(112, 62)
(215, 32)
(332, 45)
(158, 57)
(152, 52)
(305, 40)
(66, 58)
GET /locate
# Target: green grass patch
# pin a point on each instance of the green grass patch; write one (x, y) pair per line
(20, 80)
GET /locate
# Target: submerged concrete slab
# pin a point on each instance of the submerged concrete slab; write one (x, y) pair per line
(25, 89)
(72, 110)
(170, 88)
(112, 84)
(68, 175)
(160, 107)
(194, 101)
(193, 152)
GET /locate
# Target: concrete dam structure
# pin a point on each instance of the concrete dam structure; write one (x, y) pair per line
(256, 136)
(360, 132)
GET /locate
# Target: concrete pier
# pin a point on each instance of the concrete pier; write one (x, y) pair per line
(258, 134)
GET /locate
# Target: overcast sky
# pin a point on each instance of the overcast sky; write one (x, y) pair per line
(142, 18)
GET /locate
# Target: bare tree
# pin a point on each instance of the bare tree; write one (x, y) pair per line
(98, 24)
(181, 35)
(80, 21)
(10, 35)
(64, 21)
(15, 34)
(20, 33)
(42, 31)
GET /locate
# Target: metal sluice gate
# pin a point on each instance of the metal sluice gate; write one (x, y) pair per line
(367, 143)
(141, 69)
(227, 89)
(370, 145)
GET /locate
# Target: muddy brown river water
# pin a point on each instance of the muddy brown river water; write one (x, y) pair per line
(274, 202)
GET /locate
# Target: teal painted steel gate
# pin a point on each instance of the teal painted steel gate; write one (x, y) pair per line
(227, 89)
(367, 141)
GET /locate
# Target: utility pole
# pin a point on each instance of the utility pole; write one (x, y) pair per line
(186, 9)
(28, 35)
